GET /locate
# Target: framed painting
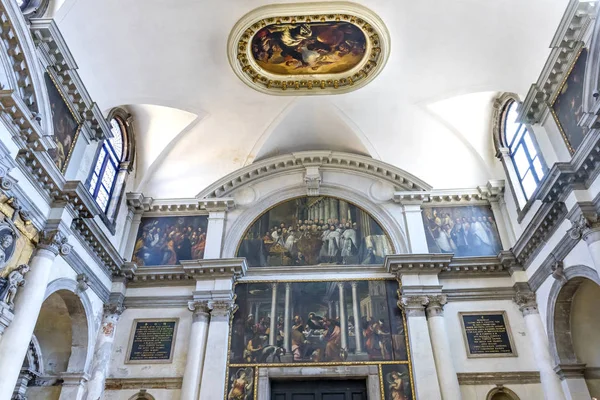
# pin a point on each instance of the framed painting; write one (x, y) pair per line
(168, 240)
(567, 107)
(317, 323)
(396, 382)
(313, 231)
(465, 231)
(65, 126)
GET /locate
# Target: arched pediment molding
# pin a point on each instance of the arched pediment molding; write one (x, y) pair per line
(558, 315)
(501, 389)
(81, 311)
(324, 160)
(235, 232)
(498, 109)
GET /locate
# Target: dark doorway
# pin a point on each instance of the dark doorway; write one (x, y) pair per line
(319, 390)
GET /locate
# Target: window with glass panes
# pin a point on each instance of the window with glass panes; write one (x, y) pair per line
(104, 175)
(523, 152)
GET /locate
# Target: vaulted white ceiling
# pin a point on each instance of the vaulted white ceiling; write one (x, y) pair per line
(428, 111)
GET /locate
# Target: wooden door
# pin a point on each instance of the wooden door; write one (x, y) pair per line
(319, 390)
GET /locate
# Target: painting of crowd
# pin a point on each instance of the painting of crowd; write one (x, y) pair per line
(568, 105)
(464, 231)
(312, 231)
(317, 322)
(168, 240)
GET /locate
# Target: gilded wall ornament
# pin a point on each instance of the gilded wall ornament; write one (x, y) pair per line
(308, 48)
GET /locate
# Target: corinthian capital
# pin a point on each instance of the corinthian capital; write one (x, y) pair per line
(413, 305)
(583, 226)
(222, 308)
(525, 299)
(55, 241)
(436, 304)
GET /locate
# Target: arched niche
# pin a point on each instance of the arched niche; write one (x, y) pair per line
(142, 395)
(501, 393)
(312, 230)
(573, 322)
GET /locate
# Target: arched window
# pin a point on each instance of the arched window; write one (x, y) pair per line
(104, 175)
(522, 150)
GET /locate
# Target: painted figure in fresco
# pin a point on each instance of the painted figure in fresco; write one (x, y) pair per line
(333, 348)
(396, 385)
(241, 385)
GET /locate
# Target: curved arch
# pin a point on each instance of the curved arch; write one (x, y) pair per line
(142, 395)
(81, 311)
(129, 144)
(503, 390)
(500, 105)
(326, 160)
(558, 312)
(236, 231)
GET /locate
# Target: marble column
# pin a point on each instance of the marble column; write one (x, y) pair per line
(212, 386)
(287, 322)
(343, 319)
(273, 325)
(592, 239)
(15, 339)
(411, 208)
(103, 349)
(425, 375)
(214, 234)
(190, 387)
(551, 385)
(356, 312)
(441, 348)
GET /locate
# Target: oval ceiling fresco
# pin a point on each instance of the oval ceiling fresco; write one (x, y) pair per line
(316, 230)
(309, 48)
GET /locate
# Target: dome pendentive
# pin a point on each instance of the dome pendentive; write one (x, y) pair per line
(310, 48)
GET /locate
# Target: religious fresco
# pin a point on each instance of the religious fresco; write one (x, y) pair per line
(309, 48)
(241, 384)
(314, 230)
(168, 240)
(465, 231)
(317, 322)
(396, 382)
(66, 128)
(567, 108)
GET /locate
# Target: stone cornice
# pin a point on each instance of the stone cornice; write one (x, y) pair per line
(325, 160)
(498, 378)
(442, 197)
(55, 51)
(140, 203)
(143, 383)
(157, 301)
(81, 267)
(105, 253)
(161, 276)
(446, 265)
(479, 294)
(565, 46)
(215, 268)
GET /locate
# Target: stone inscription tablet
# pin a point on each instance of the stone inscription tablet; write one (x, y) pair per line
(152, 341)
(487, 334)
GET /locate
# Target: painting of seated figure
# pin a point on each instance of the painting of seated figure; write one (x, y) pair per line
(313, 231)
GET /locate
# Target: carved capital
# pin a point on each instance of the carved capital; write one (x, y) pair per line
(222, 308)
(199, 307)
(114, 308)
(413, 305)
(55, 241)
(526, 301)
(436, 304)
(583, 226)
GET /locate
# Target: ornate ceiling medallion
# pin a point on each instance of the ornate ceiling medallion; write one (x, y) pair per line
(308, 48)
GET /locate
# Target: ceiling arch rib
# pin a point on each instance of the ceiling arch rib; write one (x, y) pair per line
(400, 179)
(310, 125)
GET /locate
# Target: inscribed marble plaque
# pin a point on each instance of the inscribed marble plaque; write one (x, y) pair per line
(487, 334)
(152, 341)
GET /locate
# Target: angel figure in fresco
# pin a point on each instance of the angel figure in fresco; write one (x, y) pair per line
(241, 386)
(395, 381)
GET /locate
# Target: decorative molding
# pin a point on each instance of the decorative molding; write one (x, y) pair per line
(526, 300)
(233, 268)
(145, 383)
(157, 301)
(564, 48)
(479, 294)
(81, 267)
(444, 264)
(435, 306)
(567, 371)
(55, 52)
(312, 179)
(150, 206)
(498, 378)
(105, 253)
(325, 160)
(245, 67)
(160, 276)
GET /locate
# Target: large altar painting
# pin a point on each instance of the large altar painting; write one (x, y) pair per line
(317, 322)
(309, 48)
(168, 240)
(465, 231)
(567, 108)
(314, 230)
(66, 128)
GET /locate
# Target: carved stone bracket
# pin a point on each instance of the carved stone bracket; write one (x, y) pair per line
(526, 301)
(83, 283)
(114, 308)
(312, 179)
